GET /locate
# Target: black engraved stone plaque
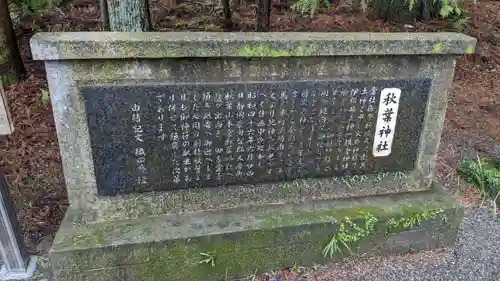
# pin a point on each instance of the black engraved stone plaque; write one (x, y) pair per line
(159, 137)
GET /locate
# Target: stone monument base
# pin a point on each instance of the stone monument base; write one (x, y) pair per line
(254, 239)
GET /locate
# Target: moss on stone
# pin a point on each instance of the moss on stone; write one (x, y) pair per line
(104, 71)
(436, 48)
(269, 239)
(120, 49)
(87, 236)
(469, 50)
(278, 220)
(95, 234)
(200, 44)
(235, 256)
(266, 51)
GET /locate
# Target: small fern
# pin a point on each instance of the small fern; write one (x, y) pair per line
(447, 8)
(411, 4)
(304, 6)
(29, 7)
(450, 8)
(460, 24)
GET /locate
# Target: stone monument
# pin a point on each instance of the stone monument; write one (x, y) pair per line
(211, 156)
(6, 126)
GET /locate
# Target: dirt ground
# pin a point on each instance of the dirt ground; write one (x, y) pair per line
(30, 157)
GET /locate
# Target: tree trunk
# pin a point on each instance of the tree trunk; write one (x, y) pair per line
(228, 23)
(399, 10)
(103, 5)
(11, 64)
(237, 3)
(263, 15)
(128, 15)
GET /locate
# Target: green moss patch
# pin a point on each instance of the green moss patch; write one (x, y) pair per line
(266, 51)
(304, 217)
(437, 48)
(243, 240)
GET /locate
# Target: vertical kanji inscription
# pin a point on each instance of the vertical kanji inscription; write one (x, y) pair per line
(187, 136)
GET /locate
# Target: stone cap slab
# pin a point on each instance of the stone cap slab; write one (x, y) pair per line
(122, 45)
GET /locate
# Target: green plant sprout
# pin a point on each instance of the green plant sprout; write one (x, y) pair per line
(363, 178)
(252, 277)
(400, 176)
(415, 219)
(346, 182)
(495, 202)
(348, 233)
(380, 176)
(209, 258)
(484, 174)
(350, 181)
(44, 97)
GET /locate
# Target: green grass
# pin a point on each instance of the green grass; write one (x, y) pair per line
(304, 6)
(208, 258)
(348, 233)
(484, 174)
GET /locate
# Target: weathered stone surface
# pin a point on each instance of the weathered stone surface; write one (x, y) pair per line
(244, 240)
(6, 126)
(66, 77)
(113, 45)
(221, 134)
(258, 224)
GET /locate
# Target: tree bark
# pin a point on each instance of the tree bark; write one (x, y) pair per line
(263, 15)
(128, 15)
(228, 23)
(237, 3)
(11, 64)
(399, 10)
(103, 5)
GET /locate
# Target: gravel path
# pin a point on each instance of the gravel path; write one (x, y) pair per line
(475, 256)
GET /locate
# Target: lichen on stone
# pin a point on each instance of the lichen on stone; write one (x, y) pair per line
(266, 51)
(437, 48)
